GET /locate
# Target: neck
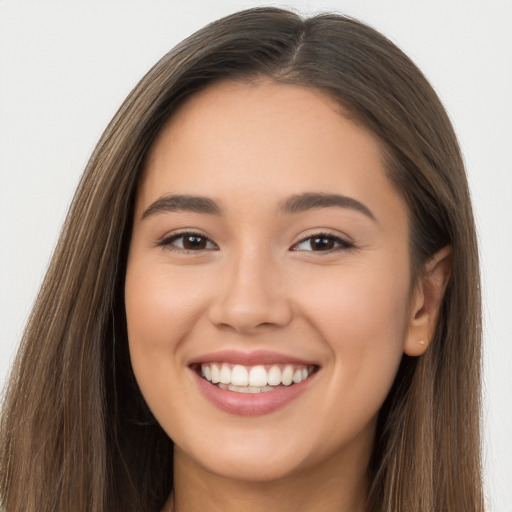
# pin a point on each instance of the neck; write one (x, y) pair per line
(330, 487)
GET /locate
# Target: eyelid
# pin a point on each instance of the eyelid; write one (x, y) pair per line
(343, 242)
(167, 241)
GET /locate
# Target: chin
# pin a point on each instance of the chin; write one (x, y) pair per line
(251, 457)
(251, 468)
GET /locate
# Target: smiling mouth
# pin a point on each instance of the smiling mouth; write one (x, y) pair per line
(254, 379)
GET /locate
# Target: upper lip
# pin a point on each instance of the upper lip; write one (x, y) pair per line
(253, 358)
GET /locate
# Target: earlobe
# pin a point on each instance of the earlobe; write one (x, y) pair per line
(426, 302)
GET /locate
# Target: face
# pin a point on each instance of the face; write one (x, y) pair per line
(270, 253)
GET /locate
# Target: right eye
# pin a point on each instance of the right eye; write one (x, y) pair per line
(188, 242)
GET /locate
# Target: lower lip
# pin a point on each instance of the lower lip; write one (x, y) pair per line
(251, 404)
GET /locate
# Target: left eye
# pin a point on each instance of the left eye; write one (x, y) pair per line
(189, 242)
(322, 243)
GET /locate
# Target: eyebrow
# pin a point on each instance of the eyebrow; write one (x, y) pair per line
(183, 203)
(295, 204)
(313, 200)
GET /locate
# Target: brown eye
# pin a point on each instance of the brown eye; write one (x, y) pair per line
(322, 243)
(194, 242)
(189, 242)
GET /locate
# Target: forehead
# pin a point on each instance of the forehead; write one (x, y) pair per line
(265, 139)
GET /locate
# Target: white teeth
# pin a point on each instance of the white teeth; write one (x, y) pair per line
(274, 376)
(255, 379)
(239, 376)
(232, 387)
(247, 389)
(215, 372)
(258, 376)
(287, 377)
(225, 374)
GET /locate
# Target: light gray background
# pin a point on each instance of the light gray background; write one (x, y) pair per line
(66, 66)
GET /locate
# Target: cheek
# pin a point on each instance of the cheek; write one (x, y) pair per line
(361, 314)
(160, 305)
(162, 308)
(358, 306)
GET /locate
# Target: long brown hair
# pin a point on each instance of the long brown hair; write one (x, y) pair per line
(75, 431)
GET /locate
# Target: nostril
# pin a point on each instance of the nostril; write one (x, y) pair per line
(250, 298)
(248, 318)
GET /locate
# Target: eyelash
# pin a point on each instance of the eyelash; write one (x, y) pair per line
(341, 244)
(168, 243)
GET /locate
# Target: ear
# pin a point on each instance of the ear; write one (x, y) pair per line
(426, 302)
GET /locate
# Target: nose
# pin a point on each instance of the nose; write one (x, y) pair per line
(251, 297)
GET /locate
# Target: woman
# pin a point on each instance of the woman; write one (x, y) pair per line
(279, 208)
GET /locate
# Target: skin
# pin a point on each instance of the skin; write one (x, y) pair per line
(261, 284)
